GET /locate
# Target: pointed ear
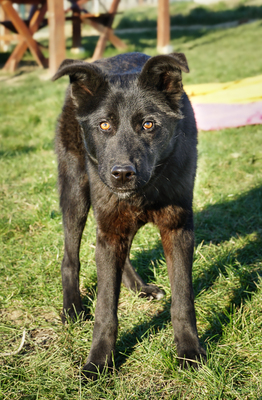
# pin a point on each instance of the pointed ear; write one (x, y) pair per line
(85, 78)
(163, 73)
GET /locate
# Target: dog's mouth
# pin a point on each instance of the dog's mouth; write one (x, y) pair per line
(121, 192)
(128, 190)
(124, 194)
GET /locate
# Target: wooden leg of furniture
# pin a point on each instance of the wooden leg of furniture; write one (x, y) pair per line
(118, 43)
(13, 61)
(4, 33)
(56, 19)
(26, 33)
(76, 30)
(163, 27)
(18, 52)
(104, 37)
(101, 45)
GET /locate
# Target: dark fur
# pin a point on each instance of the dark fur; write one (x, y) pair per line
(131, 176)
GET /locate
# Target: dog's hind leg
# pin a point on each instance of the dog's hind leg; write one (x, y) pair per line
(132, 280)
(75, 204)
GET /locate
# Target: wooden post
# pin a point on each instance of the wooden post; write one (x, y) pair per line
(56, 21)
(163, 28)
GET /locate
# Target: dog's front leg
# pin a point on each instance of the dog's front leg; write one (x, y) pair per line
(178, 247)
(75, 203)
(111, 251)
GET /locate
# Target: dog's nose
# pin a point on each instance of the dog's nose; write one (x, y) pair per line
(123, 173)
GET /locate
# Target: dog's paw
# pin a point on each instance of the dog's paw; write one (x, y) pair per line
(91, 371)
(192, 358)
(152, 292)
(73, 314)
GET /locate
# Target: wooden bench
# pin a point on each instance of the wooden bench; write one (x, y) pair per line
(101, 22)
(25, 30)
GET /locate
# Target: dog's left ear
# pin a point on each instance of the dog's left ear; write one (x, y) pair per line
(85, 80)
(78, 70)
(163, 73)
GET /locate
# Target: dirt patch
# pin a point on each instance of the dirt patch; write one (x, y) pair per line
(42, 336)
(20, 317)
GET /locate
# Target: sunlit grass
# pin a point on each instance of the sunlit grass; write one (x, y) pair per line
(227, 261)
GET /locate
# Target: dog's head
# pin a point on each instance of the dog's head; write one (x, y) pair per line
(128, 119)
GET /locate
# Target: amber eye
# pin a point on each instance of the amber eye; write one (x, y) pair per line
(105, 126)
(147, 125)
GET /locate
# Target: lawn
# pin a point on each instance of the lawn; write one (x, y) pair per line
(227, 273)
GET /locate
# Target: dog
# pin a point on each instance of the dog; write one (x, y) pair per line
(126, 143)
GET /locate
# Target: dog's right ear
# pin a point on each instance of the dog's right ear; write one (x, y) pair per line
(85, 78)
(163, 73)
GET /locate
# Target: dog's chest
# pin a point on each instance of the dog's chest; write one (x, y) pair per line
(126, 218)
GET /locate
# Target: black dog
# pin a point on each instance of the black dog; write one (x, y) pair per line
(126, 143)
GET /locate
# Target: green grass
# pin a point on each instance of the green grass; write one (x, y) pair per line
(184, 14)
(188, 13)
(228, 254)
